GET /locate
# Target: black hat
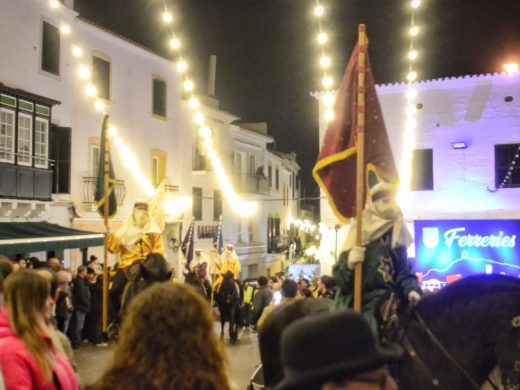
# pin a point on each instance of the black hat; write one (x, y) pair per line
(328, 347)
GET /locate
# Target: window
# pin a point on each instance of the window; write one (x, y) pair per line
(50, 49)
(41, 142)
(158, 166)
(94, 159)
(197, 203)
(273, 233)
(6, 135)
(101, 77)
(159, 98)
(155, 170)
(217, 204)
(24, 148)
(422, 170)
(277, 178)
(504, 156)
(270, 175)
(250, 231)
(59, 141)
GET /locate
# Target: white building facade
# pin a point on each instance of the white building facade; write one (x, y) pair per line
(466, 139)
(50, 134)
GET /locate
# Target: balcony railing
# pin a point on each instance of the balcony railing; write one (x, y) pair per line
(89, 189)
(251, 184)
(21, 182)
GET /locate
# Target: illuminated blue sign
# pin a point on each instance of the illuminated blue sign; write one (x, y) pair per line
(464, 247)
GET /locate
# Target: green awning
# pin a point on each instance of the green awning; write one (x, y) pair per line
(25, 237)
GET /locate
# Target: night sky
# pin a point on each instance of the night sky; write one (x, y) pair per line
(267, 59)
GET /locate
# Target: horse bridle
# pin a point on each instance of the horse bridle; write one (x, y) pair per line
(415, 356)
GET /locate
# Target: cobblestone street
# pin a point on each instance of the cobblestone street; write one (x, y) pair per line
(243, 359)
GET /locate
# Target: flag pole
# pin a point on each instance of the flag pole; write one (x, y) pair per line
(360, 158)
(106, 204)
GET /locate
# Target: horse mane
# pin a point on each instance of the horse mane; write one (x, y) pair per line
(472, 291)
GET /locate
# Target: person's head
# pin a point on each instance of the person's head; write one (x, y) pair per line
(262, 281)
(167, 341)
(271, 332)
(245, 284)
(304, 293)
(140, 214)
(28, 301)
(198, 251)
(230, 247)
(6, 267)
(22, 263)
(91, 274)
(54, 264)
(327, 283)
(34, 262)
(93, 260)
(82, 272)
(383, 199)
(64, 278)
(304, 283)
(289, 288)
(335, 351)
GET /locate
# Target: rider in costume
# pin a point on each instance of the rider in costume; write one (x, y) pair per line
(134, 240)
(228, 262)
(383, 256)
(200, 265)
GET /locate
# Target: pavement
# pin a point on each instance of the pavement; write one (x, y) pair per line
(243, 358)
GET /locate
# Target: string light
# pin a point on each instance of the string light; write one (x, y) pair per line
(241, 206)
(54, 3)
(99, 105)
(77, 51)
(91, 90)
(410, 123)
(325, 62)
(304, 225)
(509, 172)
(167, 17)
(84, 72)
(65, 29)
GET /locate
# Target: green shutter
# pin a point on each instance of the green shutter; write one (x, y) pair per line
(8, 100)
(43, 110)
(25, 105)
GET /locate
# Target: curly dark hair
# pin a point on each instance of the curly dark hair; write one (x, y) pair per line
(167, 341)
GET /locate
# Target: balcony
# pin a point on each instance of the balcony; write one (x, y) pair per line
(248, 183)
(89, 189)
(19, 182)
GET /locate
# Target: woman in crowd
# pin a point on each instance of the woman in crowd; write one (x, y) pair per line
(30, 354)
(167, 341)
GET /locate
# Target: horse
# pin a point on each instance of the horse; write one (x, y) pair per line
(153, 269)
(454, 338)
(227, 296)
(202, 285)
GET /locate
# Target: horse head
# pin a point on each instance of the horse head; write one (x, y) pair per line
(155, 268)
(455, 338)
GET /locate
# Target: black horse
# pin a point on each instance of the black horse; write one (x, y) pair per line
(153, 269)
(227, 297)
(202, 285)
(455, 338)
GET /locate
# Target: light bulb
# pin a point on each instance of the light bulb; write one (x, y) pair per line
(325, 61)
(416, 3)
(327, 81)
(112, 131)
(99, 105)
(319, 10)
(205, 132)
(65, 29)
(188, 85)
(54, 3)
(208, 143)
(182, 66)
(329, 99)
(329, 115)
(77, 51)
(411, 76)
(414, 30)
(84, 72)
(322, 37)
(175, 43)
(411, 94)
(193, 102)
(412, 55)
(167, 17)
(91, 90)
(199, 118)
(212, 153)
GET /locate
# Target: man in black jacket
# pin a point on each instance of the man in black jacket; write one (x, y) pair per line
(262, 299)
(81, 302)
